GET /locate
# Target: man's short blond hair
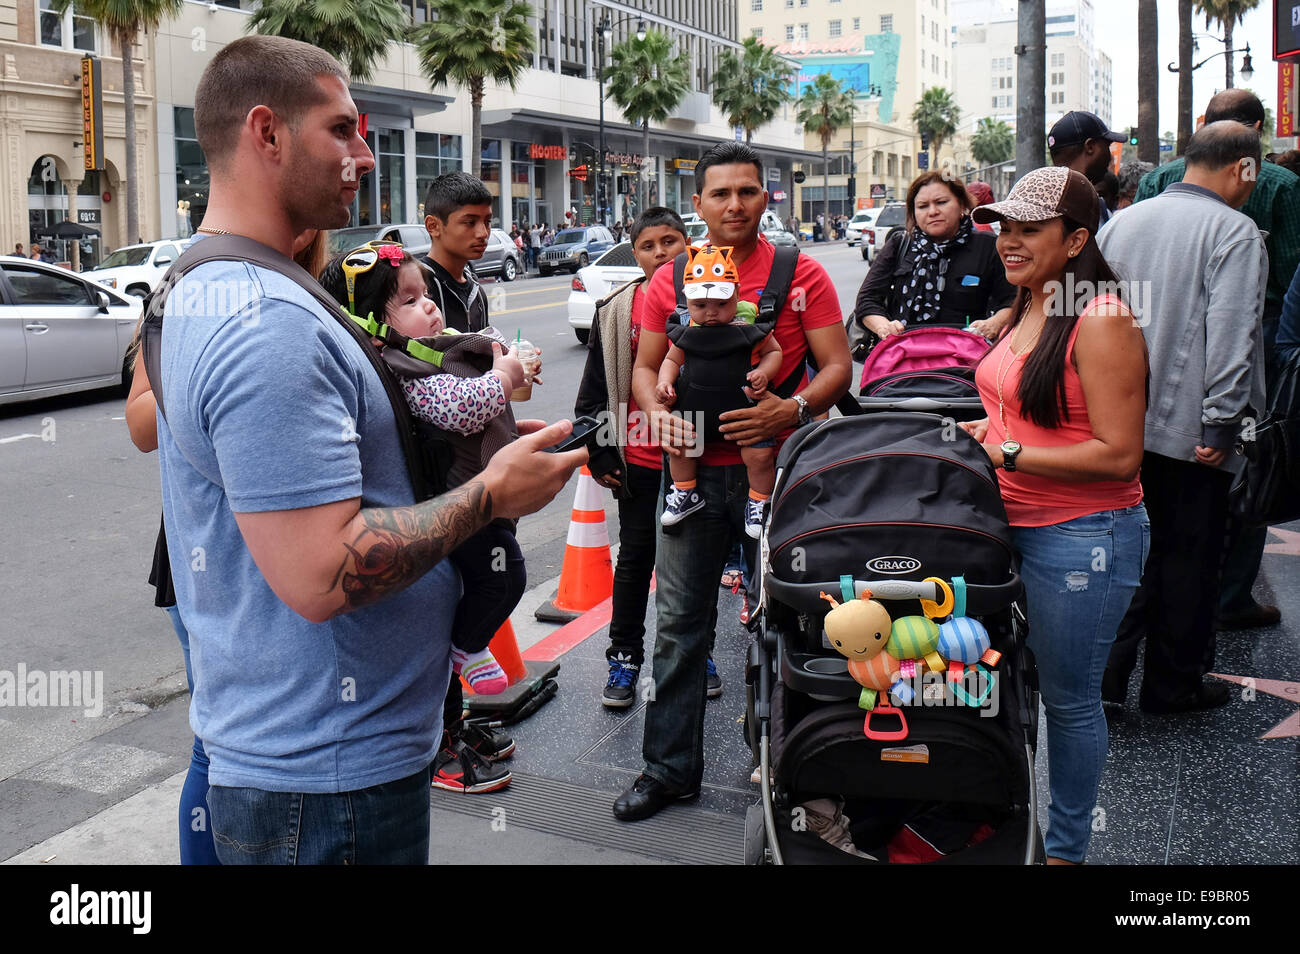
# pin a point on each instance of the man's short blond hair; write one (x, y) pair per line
(257, 70)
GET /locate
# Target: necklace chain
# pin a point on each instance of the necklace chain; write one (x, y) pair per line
(1011, 350)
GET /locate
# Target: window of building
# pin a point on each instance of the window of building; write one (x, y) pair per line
(922, 24)
(876, 159)
(803, 31)
(892, 164)
(803, 3)
(1058, 79)
(1058, 99)
(907, 167)
(758, 33)
(789, 4)
(834, 28)
(934, 63)
(789, 32)
(435, 153)
(1058, 59)
(934, 31)
(886, 23)
(756, 6)
(70, 30)
(857, 24)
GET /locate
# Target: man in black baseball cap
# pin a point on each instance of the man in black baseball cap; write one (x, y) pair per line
(1081, 141)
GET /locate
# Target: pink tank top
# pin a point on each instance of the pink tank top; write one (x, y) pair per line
(1040, 501)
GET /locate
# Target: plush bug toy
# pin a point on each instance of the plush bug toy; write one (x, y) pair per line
(858, 629)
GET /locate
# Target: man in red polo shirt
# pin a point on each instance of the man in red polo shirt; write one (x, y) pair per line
(731, 199)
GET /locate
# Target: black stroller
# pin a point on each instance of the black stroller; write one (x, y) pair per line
(905, 505)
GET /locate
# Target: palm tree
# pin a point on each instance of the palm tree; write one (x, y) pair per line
(123, 19)
(993, 142)
(648, 82)
(752, 87)
(1148, 82)
(358, 32)
(936, 116)
(1185, 45)
(823, 109)
(470, 42)
(1226, 13)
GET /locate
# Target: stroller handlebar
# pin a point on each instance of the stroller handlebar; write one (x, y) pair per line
(980, 599)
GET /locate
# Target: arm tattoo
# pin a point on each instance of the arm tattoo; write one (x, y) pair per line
(398, 545)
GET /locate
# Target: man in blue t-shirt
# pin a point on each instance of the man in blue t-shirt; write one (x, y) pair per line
(313, 585)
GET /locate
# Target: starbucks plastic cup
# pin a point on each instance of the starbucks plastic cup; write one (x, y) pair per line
(528, 357)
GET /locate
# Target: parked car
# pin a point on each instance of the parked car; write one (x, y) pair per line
(500, 258)
(135, 269)
(413, 238)
(860, 222)
(770, 225)
(575, 248)
(891, 217)
(60, 332)
(597, 280)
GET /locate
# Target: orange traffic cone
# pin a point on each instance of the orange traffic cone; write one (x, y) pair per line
(587, 576)
(506, 651)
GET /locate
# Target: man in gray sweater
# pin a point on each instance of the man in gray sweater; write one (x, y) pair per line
(1207, 270)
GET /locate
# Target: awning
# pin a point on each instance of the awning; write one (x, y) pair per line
(397, 102)
(498, 117)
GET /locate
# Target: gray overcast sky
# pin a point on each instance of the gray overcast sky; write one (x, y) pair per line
(1116, 33)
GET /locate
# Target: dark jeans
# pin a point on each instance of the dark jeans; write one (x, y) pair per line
(1174, 608)
(194, 818)
(492, 572)
(689, 564)
(638, 530)
(382, 825)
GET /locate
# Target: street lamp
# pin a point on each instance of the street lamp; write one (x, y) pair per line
(605, 32)
(872, 92)
(1246, 72)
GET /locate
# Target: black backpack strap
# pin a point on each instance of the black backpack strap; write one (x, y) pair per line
(240, 248)
(682, 315)
(777, 289)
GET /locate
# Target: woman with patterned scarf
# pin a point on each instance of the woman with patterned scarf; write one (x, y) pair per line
(938, 269)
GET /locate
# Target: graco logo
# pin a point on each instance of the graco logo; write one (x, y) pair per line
(894, 564)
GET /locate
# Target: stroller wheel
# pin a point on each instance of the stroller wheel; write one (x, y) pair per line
(755, 836)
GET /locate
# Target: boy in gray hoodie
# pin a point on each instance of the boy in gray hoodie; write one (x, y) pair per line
(1207, 270)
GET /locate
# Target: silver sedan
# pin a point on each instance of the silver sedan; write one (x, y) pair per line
(60, 332)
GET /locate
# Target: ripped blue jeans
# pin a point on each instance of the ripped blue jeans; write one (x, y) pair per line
(1079, 577)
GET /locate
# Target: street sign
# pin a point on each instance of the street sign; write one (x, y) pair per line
(878, 190)
(579, 172)
(1166, 147)
(88, 216)
(774, 173)
(923, 160)
(799, 175)
(778, 196)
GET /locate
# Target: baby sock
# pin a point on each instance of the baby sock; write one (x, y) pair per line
(684, 485)
(481, 671)
(755, 495)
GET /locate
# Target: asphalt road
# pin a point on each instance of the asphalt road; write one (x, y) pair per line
(81, 511)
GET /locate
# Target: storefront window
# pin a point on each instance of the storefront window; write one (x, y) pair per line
(191, 175)
(491, 168)
(435, 153)
(391, 159)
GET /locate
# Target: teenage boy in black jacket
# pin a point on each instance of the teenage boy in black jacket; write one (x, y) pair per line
(458, 218)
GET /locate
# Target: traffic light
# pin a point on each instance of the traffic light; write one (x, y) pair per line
(925, 140)
(1132, 135)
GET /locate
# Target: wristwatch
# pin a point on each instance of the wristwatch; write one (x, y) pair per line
(805, 412)
(1010, 451)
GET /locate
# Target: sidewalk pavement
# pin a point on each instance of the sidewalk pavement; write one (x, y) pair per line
(1212, 788)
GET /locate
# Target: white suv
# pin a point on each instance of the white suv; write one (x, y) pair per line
(136, 269)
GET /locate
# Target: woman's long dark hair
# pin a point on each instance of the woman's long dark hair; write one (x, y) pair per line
(1042, 381)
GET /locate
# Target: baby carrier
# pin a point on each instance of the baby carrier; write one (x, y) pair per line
(897, 518)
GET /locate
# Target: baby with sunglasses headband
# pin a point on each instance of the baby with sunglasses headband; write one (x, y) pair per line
(460, 384)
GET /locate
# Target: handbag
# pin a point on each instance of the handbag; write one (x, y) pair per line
(1267, 491)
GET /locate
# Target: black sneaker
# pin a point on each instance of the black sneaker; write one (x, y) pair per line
(489, 743)
(458, 768)
(620, 690)
(712, 681)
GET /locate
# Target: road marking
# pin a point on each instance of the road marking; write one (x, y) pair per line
(511, 311)
(17, 437)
